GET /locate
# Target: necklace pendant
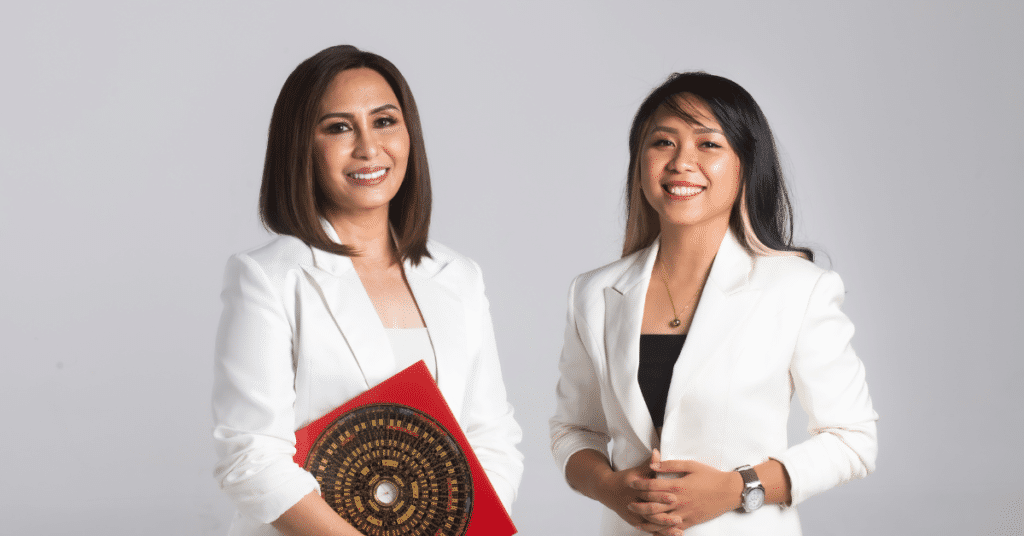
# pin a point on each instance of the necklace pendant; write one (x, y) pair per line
(675, 323)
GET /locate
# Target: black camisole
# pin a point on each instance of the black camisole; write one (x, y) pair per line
(658, 354)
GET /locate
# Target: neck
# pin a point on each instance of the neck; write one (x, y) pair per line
(367, 232)
(686, 252)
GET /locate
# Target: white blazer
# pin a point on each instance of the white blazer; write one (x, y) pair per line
(765, 327)
(299, 336)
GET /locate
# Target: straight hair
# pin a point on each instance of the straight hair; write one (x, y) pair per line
(762, 216)
(292, 199)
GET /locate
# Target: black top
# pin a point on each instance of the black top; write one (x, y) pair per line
(658, 354)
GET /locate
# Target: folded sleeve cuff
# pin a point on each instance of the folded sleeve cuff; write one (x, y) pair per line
(822, 463)
(563, 446)
(265, 504)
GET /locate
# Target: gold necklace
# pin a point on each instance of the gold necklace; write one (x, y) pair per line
(675, 322)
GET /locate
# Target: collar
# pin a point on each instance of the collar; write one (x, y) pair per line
(730, 270)
(340, 264)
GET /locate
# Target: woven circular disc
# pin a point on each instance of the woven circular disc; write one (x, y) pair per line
(391, 470)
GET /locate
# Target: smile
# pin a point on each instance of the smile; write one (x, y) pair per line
(682, 190)
(368, 176)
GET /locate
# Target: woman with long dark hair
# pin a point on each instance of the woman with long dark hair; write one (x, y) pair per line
(349, 293)
(686, 352)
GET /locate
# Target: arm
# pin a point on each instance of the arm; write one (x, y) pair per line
(830, 382)
(253, 398)
(312, 516)
(490, 426)
(579, 431)
(701, 494)
(579, 421)
(589, 472)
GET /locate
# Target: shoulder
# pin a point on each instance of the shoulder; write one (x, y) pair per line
(776, 269)
(275, 259)
(795, 276)
(445, 256)
(450, 267)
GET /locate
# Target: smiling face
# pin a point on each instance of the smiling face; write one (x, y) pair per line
(360, 143)
(688, 171)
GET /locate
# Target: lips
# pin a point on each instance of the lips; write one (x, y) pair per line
(368, 176)
(679, 190)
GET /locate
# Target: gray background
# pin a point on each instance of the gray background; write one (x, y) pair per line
(131, 145)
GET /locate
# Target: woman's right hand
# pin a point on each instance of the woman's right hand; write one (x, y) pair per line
(589, 472)
(618, 494)
(615, 490)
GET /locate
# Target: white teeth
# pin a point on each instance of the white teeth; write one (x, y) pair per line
(685, 190)
(368, 176)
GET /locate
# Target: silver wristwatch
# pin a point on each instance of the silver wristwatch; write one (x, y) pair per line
(752, 496)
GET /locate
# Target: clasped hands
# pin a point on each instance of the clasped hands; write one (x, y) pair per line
(668, 506)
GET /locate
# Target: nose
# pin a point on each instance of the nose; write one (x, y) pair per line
(367, 144)
(685, 159)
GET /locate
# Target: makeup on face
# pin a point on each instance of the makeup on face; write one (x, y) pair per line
(361, 141)
(688, 171)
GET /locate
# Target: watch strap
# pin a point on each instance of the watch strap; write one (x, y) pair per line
(751, 483)
(749, 475)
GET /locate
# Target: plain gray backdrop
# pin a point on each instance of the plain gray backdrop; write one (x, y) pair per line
(132, 137)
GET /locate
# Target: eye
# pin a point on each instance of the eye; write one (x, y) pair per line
(662, 142)
(710, 145)
(385, 122)
(337, 128)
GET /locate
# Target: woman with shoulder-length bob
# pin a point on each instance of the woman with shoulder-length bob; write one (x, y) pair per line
(350, 292)
(686, 352)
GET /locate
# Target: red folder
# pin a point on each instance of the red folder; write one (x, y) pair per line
(411, 391)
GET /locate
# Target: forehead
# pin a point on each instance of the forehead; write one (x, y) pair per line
(686, 108)
(357, 89)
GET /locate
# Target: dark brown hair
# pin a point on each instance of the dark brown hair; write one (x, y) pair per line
(762, 217)
(291, 197)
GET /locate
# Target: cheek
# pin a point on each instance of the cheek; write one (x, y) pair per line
(398, 149)
(727, 171)
(649, 169)
(320, 161)
(327, 155)
(718, 168)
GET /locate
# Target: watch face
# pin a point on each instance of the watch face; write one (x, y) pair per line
(753, 500)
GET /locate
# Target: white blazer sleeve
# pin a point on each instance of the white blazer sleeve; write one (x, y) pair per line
(579, 422)
(490, 426)
(829, 380)
(253, 397)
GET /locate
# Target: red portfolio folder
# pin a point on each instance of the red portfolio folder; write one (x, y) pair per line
(394, 461)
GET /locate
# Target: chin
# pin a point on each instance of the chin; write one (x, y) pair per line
(684, 221)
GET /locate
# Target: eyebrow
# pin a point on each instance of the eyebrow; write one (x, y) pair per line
(346, 115)
(702, 130)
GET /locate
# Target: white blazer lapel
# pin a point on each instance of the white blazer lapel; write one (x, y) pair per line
(354, 314)
(624, 311)
(726, 300)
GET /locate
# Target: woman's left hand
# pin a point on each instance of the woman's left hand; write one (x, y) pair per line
(699, 494)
